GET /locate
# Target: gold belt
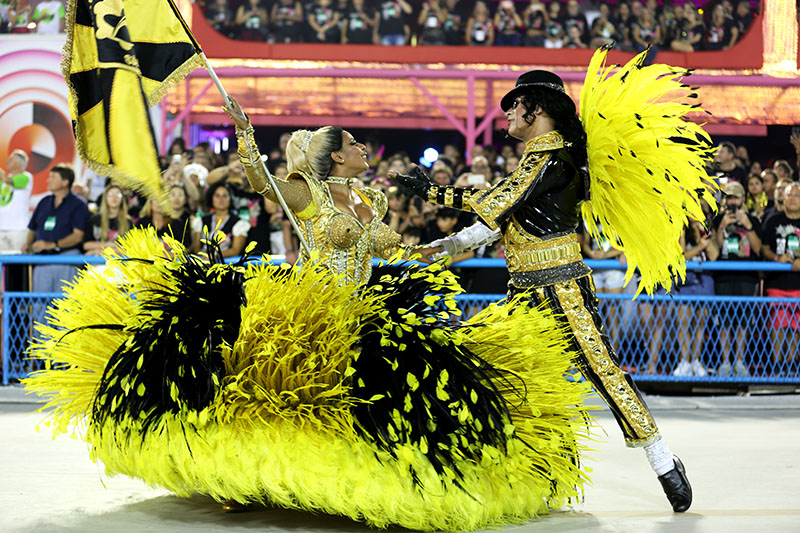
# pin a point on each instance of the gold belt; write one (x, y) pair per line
(540, 255)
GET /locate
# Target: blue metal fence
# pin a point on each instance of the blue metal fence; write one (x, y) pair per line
(653, 335)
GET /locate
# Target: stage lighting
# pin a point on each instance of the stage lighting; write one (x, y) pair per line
(431, 154)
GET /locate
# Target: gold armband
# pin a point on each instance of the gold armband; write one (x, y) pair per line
(247, 147)
(250, 158)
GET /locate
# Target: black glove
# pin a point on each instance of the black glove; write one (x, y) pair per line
(419, 183)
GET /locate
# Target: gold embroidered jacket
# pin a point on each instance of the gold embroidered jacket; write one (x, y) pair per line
(537, 207)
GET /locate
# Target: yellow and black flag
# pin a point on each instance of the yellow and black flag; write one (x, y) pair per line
(122, 56)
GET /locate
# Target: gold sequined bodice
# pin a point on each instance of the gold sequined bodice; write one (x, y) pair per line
(340, 241)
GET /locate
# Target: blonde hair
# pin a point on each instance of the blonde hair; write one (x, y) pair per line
(315, 160)
(122, 216)
(147, 211)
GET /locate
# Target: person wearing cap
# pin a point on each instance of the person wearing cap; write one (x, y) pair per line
(738, 235)
(536, 210)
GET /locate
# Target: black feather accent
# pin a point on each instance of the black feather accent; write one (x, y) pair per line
(599, 114)
(172, 361)
(426, 390)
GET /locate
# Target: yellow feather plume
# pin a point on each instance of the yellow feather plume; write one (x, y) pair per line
(646, 162)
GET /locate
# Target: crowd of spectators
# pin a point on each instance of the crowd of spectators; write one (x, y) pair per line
(45, 17)
(633, 25)
(758, 219)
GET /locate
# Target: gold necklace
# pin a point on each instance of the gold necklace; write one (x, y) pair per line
(347, 182)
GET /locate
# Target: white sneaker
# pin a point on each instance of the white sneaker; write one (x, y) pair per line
(683, 369)
(698, 369)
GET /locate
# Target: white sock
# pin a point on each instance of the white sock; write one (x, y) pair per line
(659, 456)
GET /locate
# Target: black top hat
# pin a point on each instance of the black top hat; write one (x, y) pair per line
(540, 79)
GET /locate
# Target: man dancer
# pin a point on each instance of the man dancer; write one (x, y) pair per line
(536, 211)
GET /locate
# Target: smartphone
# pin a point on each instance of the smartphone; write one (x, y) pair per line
(476, 179)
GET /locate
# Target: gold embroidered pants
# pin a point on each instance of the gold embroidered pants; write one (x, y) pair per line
(575, 305)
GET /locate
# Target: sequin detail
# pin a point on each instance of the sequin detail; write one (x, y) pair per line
(612, 377)
(549, 276)
(294, 192)
(496, 201)
(541, 254)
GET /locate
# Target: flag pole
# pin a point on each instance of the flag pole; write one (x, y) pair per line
(218, 83)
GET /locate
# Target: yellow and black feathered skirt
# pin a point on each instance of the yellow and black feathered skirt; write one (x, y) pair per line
(281, 385)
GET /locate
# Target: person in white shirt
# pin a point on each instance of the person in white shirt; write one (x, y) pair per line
(48, 17)
(15, 195)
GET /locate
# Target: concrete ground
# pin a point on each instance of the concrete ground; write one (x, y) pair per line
(742, 455)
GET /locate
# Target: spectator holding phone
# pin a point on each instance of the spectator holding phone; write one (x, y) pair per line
(358, 25)
(479, 175)
(507, 23)
(431, 21)
(738, 236)
(603, 29)
(782, 244)
(536, 19)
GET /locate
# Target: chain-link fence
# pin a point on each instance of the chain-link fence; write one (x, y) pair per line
(695, 338)
(21, 310)
(678, 338)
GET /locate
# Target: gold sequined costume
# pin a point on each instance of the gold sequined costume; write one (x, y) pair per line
(338, 240)
(537, 208)
(647, 167)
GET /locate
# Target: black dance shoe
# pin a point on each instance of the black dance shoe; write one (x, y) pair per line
(677, 488)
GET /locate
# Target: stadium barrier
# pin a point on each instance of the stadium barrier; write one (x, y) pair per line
(651, 333)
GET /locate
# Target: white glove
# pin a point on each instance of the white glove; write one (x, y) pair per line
(465, 240)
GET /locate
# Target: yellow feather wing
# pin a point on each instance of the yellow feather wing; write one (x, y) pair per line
(646, 162)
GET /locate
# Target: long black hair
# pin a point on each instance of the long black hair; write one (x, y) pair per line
(562, 111)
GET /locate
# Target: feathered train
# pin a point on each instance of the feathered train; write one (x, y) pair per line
(368, 402)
